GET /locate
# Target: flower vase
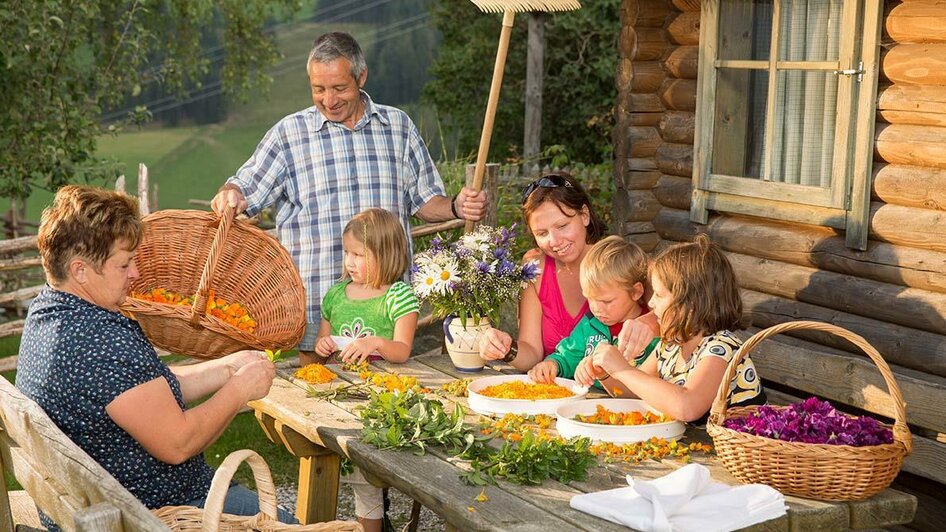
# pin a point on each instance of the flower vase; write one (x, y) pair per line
(463, 343)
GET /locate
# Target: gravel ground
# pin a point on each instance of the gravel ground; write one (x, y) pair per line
(400, 511)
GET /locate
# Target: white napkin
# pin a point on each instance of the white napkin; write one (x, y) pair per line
(684, 500)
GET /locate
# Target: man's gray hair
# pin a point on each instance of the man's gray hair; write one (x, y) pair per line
(331, 46)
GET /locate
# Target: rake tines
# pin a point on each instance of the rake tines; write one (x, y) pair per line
(522, 6)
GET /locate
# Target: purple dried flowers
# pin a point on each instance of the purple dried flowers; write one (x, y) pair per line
(812, 421)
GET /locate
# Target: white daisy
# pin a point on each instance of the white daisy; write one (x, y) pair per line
(425, 281)
(448, 274)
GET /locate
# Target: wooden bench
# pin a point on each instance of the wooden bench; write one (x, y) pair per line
(795, 368)
(70, 487)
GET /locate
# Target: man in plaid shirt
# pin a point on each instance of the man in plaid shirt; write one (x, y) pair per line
(322, 165)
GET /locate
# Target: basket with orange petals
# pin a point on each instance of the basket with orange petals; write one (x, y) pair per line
(210, 285)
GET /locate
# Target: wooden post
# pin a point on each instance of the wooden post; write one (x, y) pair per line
(491, 185)
(120, 183)
(6, 513)
(317, 500)
(143, 205)
(535, 60)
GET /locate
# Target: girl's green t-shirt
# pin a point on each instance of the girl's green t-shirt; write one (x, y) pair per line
(375, 316)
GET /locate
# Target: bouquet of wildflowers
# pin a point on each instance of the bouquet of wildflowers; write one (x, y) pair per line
(472, 276)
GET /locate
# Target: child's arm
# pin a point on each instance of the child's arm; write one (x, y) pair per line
(324, 345)
(687, 402)
(544, 372)
(569, 352)
(398, 349)
(637, 334)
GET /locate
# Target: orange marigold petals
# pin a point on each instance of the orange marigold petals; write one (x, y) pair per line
(525, 390)
(603, 416)
(234, 314)
(315, 374)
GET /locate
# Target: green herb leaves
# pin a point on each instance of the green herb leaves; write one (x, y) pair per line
(409, 420)
(532, 460)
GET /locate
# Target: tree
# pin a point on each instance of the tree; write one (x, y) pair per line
(580, 61)
(62, 62)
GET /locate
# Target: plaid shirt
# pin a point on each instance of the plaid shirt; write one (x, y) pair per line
(319, 174)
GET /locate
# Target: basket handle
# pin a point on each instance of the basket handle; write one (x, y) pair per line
(216, 250)
(900, 431)
(265, 488)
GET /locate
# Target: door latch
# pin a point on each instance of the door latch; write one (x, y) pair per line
(859, 71)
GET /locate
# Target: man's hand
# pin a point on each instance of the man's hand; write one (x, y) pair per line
(470, 204)
(231, 195)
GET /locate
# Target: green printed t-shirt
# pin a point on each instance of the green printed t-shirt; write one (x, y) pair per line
(375, 316)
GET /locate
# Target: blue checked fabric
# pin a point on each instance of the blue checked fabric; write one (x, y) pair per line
(319, 174)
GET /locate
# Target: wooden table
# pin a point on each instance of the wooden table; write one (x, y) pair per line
(319, 432)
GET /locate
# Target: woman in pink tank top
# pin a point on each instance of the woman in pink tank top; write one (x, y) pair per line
(558, 212)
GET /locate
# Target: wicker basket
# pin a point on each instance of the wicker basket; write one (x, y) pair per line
(211, 518)
(192, 252)
(814, 471)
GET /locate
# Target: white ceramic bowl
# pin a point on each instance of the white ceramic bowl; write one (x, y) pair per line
(492, 405)
(568, 427)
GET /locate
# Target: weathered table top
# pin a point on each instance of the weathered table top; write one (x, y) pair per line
(307, 427)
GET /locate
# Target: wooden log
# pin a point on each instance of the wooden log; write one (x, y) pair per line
(910, 186)
(921, 64)
(642, 206)
(908, 226)
(909, 144)
(683, 61)
(21, 295)
(687, 5)
(648, 242)
(20, 263)
(673, 191)
(812, 367)
(638, 180)
(904, 346)
(638, 164)
(677, 126)
(627, 42)
(685, 29)
(645, 103)
(644, 119)
(915, 118)
(11, 328)
(433, 228)
(647, 76)
(675, 159)
(678, 94)
(906, 97)
(624, 75)
(910, 307)
(18, 245)
(650, 45)
(638, 228)
(647, 13)
(917, 22)
(816, 247)
(643, 141)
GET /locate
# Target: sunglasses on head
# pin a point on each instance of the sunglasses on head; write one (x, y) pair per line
(549, 181)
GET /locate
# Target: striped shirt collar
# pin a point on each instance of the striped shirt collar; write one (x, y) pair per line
(370, 110)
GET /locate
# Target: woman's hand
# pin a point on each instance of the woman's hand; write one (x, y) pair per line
(360, 349)
(237, 360)
(255, 378)
(634, 337)
(325, 346)
(494, 344)
(544, 372)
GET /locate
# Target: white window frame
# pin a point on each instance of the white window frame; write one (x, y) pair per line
(846, 204)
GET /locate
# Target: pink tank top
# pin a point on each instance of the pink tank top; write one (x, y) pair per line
(557, 323)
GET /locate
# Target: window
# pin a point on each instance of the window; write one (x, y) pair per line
(785, 111)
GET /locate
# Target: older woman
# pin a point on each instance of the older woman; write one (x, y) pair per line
(559, 214)
(99, 379)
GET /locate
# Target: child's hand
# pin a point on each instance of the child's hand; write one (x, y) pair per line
(586, 373)
(360, 349)
(325, 346)
(607, 359)
(633, 339)
(494, 344)
(544, 372)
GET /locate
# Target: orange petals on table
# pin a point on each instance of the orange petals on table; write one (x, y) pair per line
(234, 314)
(524, 390)
(603, 416)
(315, 374)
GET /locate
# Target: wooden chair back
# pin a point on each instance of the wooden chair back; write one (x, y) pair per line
(64, 481)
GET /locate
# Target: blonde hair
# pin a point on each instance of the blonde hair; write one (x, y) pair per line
(614, 261)
(704, 292)
(383, 236)
(85, 222)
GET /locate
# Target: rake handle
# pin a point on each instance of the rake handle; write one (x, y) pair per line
(479, 170)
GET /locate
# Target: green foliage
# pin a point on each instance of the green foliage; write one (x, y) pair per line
(409, 420)
(532, 461)
(62, 63)
(578, 93)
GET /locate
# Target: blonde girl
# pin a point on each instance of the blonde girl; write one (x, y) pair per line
(697, 303)
(371, 305)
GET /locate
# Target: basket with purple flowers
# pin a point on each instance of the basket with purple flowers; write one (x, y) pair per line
(810, 449)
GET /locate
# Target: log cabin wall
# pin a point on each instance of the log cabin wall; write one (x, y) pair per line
(893, 294)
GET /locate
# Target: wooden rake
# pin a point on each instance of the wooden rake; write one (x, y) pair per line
(508, 8)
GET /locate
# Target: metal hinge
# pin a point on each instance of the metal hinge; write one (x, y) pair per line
(859, 71)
